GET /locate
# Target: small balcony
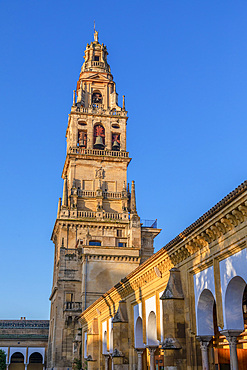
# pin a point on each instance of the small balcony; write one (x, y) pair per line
(72, 306)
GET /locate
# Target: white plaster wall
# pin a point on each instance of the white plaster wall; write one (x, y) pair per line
(203, 280)
(150, 305)
(40, 350)
(85, 345)
(110, 335)
(161, 319)
(137, 312)
(235, 265)
(104, 328)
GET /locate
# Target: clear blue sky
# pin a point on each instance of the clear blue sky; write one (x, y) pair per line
(183, 68)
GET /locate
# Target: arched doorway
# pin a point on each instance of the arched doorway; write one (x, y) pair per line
(207, 329)
(235, 323)
(17, 361)
(35, 361)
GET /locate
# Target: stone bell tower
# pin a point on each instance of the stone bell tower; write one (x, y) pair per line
(98, 236)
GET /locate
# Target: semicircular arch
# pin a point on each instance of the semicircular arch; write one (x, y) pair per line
(152, 330)
(205, 309)
(139, 333)
(234, 303)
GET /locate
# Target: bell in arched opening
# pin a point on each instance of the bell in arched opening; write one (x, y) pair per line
(115, 142)
(99, 143)
(99, 137)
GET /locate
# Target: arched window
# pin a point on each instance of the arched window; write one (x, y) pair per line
(17, 358)
(97, 98)
(82, 138)
(35, 358)
(99, 137)
(115, 142)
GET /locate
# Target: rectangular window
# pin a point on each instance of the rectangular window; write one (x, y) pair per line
(119, 233)
(96, 58)
(69, 297)
(121, 245)
(93, 242)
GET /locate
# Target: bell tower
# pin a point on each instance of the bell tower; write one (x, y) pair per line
(98, 236)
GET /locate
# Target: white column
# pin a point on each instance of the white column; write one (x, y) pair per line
(231, 336)
(204, 342)
(152, 350)
(139, 354)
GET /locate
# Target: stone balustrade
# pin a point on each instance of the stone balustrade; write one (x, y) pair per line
(99, 215)
(93, 194)
(108, 153)
(97, 64)
(99, 109)
(72, 306)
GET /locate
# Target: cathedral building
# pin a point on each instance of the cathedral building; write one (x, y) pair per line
(98, 236)
(115, 305)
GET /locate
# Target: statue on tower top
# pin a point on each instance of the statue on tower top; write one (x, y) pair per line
(96, 33)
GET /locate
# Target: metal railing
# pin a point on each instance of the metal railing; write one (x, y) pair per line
(149, 223)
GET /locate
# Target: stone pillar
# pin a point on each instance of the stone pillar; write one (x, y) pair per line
(152, 350)
(139, 354)
(204, 342)
(106, 361)
(174, 344)
(231, 336)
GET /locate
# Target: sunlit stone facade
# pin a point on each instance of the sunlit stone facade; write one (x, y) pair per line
(184, 307)
(98, 235)
(115, 305)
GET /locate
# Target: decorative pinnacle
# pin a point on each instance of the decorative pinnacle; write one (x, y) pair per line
(123, 102)
(133, 198)
(65, 193)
